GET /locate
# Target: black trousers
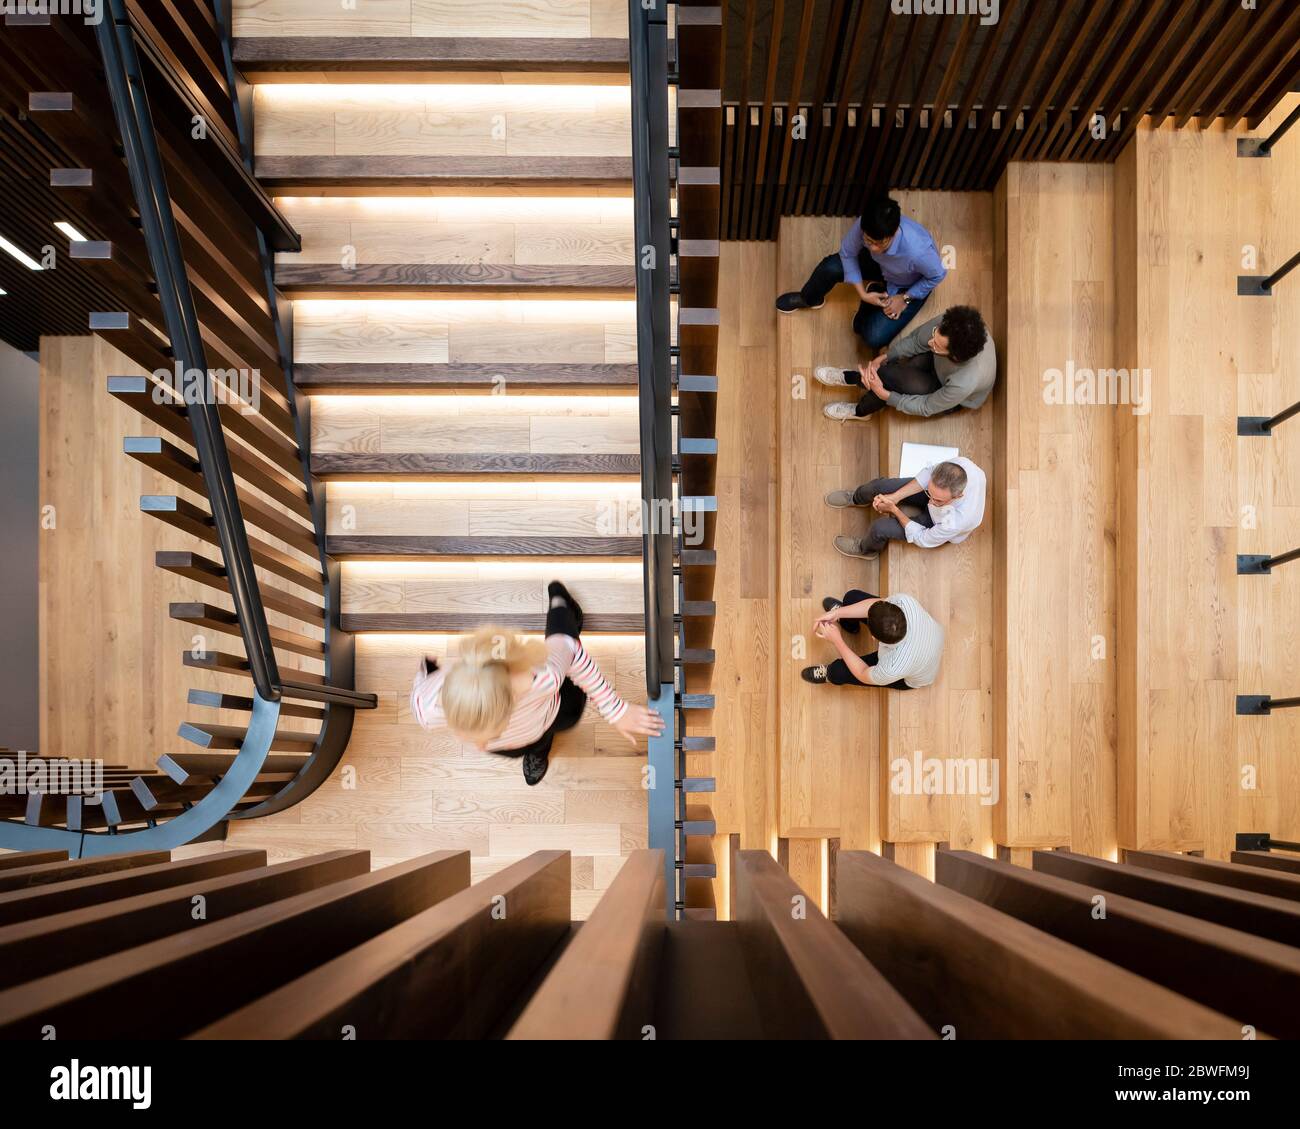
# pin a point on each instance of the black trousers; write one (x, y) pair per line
(870, 323)
(913, 376)
(838, 673)
(573, 699)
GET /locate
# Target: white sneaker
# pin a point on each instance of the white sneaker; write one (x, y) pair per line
(830, 376)
(842, 411)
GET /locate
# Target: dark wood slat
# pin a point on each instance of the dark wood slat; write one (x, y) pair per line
(19, 859)
(376, 53)
(43, 874)
(58, 941)
(220, 966)
(220, 662)
(105, 883)
(454, 623)
(1253, 979)
(1264, 916)
(214, 737)
(224, 621)
(202, 768)
(321, 172)
(311, 280)
(378, 547)
(812, 982)
(418, 378)
(198, 568)
(1227, 874)
(602, 986)
(1268, 860)
(988, 975)
(449, 972)
(343, 465)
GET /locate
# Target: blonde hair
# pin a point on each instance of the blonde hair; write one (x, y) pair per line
(477, 696)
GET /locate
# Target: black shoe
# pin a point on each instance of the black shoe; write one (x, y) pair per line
(789, 303)
(849, 625)
(535, 766)
(556, 589)
(816, 674)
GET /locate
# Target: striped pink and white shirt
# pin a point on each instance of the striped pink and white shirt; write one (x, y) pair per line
(535, 710)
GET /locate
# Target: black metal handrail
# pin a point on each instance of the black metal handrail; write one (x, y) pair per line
(1266, 146)
(648, 55)
(116, 38)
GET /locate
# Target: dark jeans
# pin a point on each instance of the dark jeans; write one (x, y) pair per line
(887, 527)
(838, 673)
(913, 376)
(573, 700)
(870, 323)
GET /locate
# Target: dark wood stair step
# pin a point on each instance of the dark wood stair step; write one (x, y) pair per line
(320, 173)
(399, 547)
(215, 737)
(343, 465)
(199, 768)
(699, 820)
(454, 623)
(421, 378)
(374, 53)
(227, 622)
(328, 280)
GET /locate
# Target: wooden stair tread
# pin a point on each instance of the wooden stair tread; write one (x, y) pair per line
(305, 280)
(419, 52)
(450, 623)
(380, 547)
(387, 464)
(397, 377)
(319, 172)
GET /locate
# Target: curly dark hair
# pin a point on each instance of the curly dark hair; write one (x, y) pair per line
(886, 621)
(965, 330)
(881, 217)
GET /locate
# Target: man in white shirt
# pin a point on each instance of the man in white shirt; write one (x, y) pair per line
(910, 642)
(944, 502)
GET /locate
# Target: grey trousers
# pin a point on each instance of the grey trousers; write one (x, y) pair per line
(886, 527)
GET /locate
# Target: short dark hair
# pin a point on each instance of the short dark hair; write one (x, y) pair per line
(881, 217)
(965, 330)
(886, 621)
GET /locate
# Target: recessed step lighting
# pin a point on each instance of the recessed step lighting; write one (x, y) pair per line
(70, 231)
(19, 254)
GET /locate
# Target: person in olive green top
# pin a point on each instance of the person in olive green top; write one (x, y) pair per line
(949, 362)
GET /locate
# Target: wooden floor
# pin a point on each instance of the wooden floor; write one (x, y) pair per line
(1055, 481)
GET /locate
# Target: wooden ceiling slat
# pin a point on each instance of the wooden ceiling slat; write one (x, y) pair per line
(951, 73)
(796, 85)
(890, 113)
(1144, 58)
(995, 98)
(1093, 15)
(1282, 79)
(1284, 27)
(845, 170)
(860, 26)
(1228, 24)
(960, 131)
(915, 111)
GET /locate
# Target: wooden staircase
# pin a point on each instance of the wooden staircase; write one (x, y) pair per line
(465, 326)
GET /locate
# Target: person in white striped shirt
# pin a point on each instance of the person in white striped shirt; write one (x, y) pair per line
(511, 696)
(910, 642)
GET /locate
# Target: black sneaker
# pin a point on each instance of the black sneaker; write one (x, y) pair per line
(815, 674)
(554, 589)
(830, 604)
(789, 303)
(535, 766)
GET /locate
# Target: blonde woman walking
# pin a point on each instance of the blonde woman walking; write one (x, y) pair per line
(511, 696)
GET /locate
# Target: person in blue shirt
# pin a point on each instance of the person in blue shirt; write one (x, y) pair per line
(890, 260)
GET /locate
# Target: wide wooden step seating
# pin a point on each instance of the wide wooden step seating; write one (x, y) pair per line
(329, 136)
(325, 948)
(388, 246)
(275, 37)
